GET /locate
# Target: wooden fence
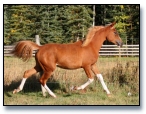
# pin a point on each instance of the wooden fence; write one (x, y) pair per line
(106, 50)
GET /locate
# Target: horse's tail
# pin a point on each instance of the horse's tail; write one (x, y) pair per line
(24, 49)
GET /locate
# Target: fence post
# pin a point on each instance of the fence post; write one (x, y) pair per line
(37, 39)
(119, 53)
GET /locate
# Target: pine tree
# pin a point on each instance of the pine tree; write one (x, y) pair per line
(46, 22)
(133, 29)
(16, 22)
(115, 13)
(78, 20)
(53, 23)
(6, 25)
(56, 22)
(127, 18)
(67, 23)
(36, 18)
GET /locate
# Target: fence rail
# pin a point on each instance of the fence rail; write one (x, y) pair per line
(106, 50)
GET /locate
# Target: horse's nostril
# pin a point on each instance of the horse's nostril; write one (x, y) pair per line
(119, 43)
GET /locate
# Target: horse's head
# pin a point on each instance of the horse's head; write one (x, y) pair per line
(113, 35)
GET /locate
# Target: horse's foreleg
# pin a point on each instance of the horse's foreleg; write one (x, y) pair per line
(100, 77)
(90, 78)
(85, 85)
(27, 74)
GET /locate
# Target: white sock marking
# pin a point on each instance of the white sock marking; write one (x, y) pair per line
(43, 90)
(99, 76)
(86, 84)
(22, 83)
(49, 91)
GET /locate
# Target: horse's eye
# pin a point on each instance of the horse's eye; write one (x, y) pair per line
(115, 33)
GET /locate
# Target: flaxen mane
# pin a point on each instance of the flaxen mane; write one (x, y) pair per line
(90, 34)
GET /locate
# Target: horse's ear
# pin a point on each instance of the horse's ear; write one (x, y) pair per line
(112, 25)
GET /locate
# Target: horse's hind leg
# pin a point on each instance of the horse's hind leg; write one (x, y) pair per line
(46, 75)
(43, 89)
(27, 74)
(99, 76)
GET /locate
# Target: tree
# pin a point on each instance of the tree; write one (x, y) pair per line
(67, 23)
(15, 18)
(56, 20)
(6, 25)
(126, 16)
(133, 29)
(78, 21)
(37, 16)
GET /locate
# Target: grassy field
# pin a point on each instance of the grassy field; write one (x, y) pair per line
(121, 76)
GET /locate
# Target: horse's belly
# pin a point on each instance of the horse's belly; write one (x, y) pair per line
(69, 65)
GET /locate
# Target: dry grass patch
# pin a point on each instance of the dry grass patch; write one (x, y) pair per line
(121, 77)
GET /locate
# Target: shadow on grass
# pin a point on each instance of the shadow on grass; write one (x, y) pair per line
(32, 84)
(7, 94)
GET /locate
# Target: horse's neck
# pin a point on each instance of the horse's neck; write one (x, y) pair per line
(97, 41)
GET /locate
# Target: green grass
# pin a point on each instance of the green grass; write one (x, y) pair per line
(97, 97)
(120, 75)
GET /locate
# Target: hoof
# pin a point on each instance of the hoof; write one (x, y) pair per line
(73, 88)
(54, 96)
(109, 95)
(15, 91)
(44, 94)
(83, 91)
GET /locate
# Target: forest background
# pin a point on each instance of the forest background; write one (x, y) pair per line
(68, 23)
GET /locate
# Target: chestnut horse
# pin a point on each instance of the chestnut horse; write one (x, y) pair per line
(68, 56)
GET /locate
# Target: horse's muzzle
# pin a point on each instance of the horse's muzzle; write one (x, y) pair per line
(119, 43)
